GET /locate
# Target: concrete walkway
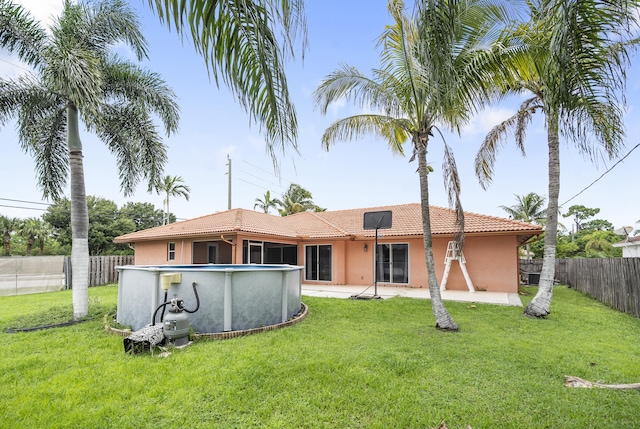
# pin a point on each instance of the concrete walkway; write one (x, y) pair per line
(328, 291)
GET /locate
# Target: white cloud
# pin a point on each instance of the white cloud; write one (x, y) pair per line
(483, 122)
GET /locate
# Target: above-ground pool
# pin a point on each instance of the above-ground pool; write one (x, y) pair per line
(232, 297)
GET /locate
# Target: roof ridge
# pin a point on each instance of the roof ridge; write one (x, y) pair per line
(237, 225)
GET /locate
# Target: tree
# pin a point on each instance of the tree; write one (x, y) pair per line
(296, 199)
(144, 215)
(240, 45)
(530, 208)
(105, 224)
(571, 57)
(33, 229)
(266, 203)
(9, 226)
(171, 186)
(429, 75)
(580, 213)
(76, 78)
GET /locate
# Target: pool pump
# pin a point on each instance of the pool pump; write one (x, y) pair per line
(175, 325)
(174, 328)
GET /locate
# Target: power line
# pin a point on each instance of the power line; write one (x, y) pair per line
(15, 65)
(23, 201)
(601, 176)
(268, 172)
(257, 186)
(258, 177)
(20, 207)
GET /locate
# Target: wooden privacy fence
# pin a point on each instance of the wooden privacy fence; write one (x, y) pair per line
(614, 281)
(102, 269)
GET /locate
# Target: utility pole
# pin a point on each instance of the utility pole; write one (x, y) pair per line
(229, 173)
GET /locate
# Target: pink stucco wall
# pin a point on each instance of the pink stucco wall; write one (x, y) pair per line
(492, 260)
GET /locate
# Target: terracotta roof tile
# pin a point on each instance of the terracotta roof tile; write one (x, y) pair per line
(407, 221)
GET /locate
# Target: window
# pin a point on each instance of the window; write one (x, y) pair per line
(171, 256)
(212, 253)
(318, 262)
(392, 263)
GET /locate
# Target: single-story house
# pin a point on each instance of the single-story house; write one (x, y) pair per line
(630, 247)
(335, 249)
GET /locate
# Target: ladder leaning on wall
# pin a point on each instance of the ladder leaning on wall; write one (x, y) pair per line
(455, 254)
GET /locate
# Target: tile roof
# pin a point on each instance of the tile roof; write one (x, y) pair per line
(406, 221)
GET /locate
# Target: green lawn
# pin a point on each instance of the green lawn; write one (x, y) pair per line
(349, 364)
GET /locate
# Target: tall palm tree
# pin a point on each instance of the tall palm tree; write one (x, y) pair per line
(571, 58)
(266, 203)
(530, 208)
(8, 226)
(171, 186)
(429, 77)
(245, 43)
(76, 78)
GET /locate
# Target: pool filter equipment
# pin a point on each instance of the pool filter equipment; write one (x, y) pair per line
(175, 326)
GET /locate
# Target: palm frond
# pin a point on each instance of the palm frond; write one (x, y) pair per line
(394, 131)
(112, 22)
(124, 81)
(350, 84)
(130, 134)
(20, 33)
(42, 133)
(239, 43)
(452, 186)
(496, 138)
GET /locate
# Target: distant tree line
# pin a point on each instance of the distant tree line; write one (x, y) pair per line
(51, 233)
(587, 237)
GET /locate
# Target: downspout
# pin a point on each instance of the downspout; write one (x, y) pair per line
(233, 248)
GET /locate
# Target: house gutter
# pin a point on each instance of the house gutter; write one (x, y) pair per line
(233, 248)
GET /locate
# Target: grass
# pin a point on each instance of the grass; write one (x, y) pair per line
(350, 364)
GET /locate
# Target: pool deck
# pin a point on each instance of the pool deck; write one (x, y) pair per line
(330, 291)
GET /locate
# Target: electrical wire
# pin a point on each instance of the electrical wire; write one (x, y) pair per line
(602, 175)
(23, 201)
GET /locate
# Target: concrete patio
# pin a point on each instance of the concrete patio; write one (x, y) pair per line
(329, 291)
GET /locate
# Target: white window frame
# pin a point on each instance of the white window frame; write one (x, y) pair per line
(171, 253)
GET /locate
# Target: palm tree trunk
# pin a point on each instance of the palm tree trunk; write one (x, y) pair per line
(79, 219)
(540, 306)
(7, 244)
(29, 245)
(444, 320)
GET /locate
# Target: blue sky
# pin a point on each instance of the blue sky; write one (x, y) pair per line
(352, 174)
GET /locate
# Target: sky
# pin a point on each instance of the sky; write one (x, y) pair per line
(352, 174)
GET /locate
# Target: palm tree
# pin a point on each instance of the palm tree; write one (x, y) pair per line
(245, 43)
(29, 228)
(266, 203)
(76, 78)
(171, 186)
(428, 76)
(571, 58)
(530, 208)
(296, 200)
(8, 226)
